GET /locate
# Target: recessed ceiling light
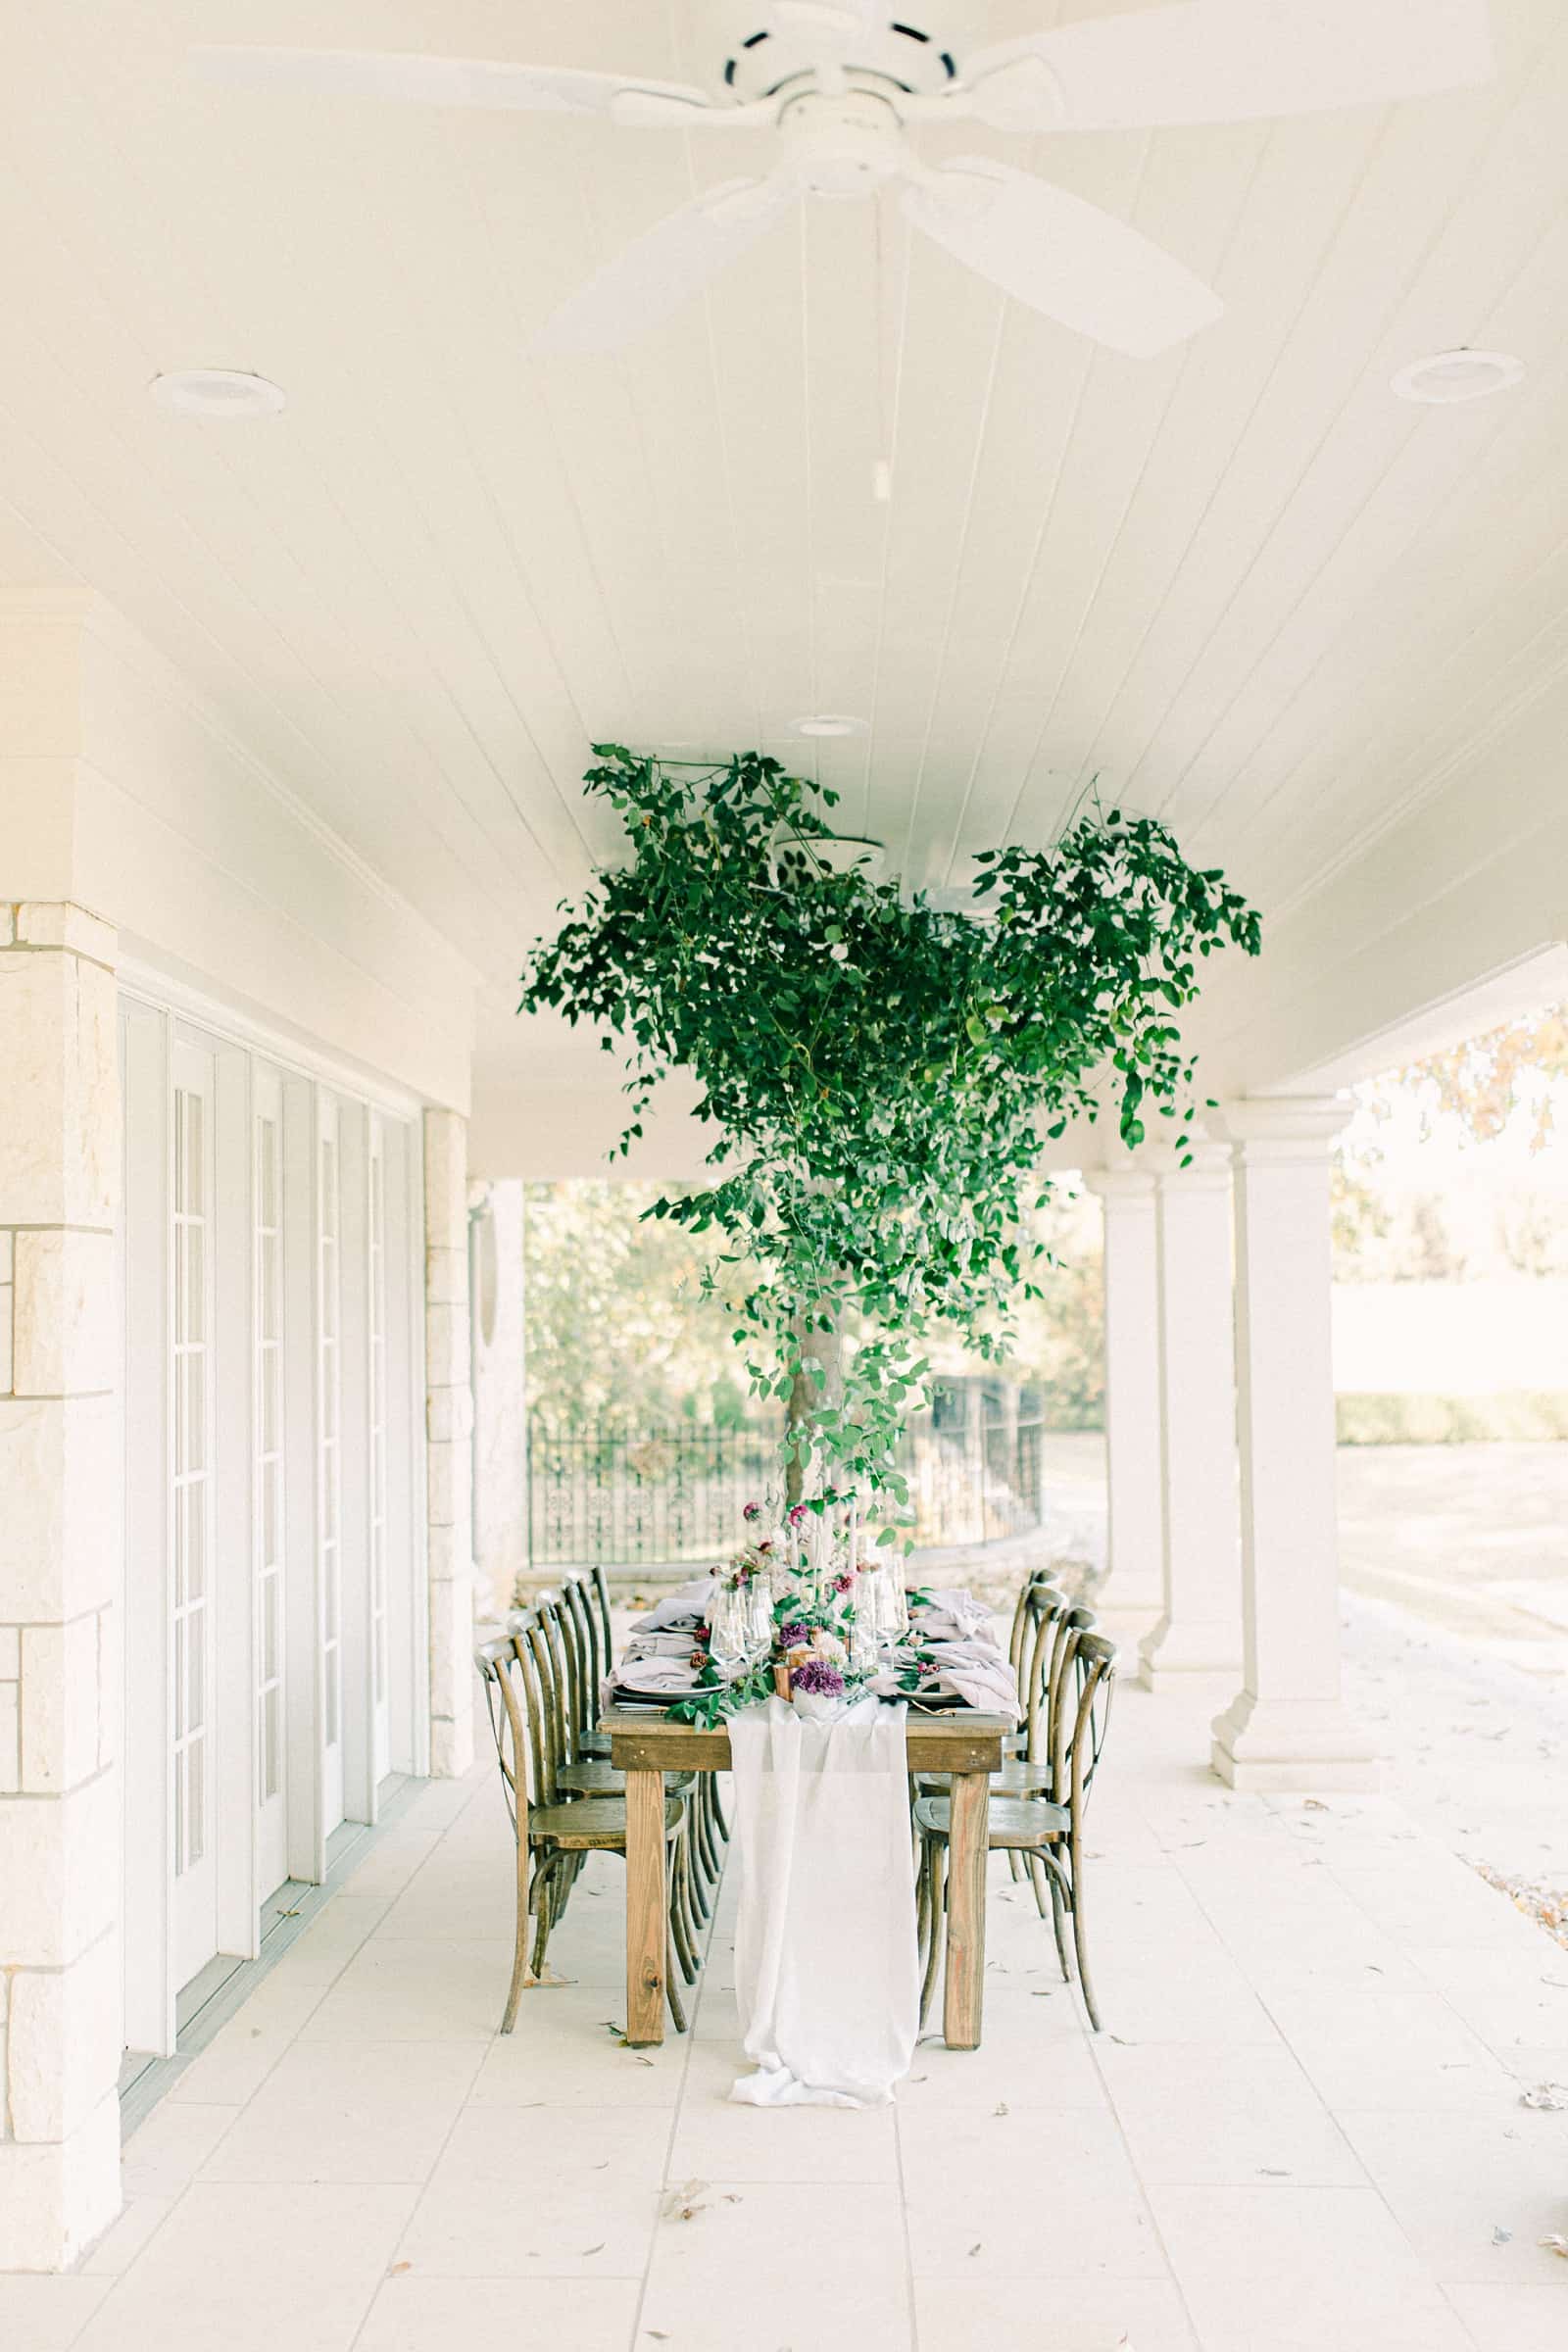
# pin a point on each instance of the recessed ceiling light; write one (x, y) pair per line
(217, 392)
(1449, 378)
(828, 722)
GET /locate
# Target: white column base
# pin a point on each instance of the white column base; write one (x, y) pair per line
(1280, 1747)
(58, 2196)
(1170, 1652)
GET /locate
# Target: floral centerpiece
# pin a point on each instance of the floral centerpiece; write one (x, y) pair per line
(817, 1638)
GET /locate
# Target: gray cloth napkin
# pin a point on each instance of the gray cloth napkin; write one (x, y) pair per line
(683, 1612)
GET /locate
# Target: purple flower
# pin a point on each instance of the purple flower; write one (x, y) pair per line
(844, 1582)
(794, 1636)
(817, 1675)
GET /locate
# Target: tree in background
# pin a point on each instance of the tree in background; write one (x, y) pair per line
(1510, 1077)
(619, 1324)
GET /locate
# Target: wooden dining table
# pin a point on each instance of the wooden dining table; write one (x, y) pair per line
(646, 1746)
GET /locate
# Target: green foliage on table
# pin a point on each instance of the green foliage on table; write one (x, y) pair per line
(879, 1071)
(714, 1699)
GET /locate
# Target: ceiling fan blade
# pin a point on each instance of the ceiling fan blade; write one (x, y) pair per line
(452, 81)
(1062, 256)
(1227, 61)
(666, 266)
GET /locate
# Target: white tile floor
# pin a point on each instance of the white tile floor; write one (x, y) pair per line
(1300, 2132)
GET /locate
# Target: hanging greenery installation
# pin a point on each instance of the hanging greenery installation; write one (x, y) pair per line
(878, 1072)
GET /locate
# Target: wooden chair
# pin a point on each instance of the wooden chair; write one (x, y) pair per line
(1045, 1832)
(555, 1829)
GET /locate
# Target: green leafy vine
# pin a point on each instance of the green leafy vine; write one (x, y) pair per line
(878, 1072)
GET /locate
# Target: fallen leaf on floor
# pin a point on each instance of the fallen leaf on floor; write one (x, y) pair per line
(658, 2335)
(1273, 2173)
(1000, 2107)
(1549, 2095)
(1556, 2243)
(978, 2243)
(398, 2268)
(730, 2198)
(684, 2204)
(645, 2061)
(587, 2250)
(1502, 2236)
(1313, 1804)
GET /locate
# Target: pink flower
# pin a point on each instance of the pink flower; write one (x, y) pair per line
(844, 1582)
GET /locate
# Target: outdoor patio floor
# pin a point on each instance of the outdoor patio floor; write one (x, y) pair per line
(1300, 2132)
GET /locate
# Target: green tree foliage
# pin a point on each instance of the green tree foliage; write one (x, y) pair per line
(878, 1071)
(620, 1323)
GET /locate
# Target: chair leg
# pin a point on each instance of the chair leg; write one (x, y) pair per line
(708, 1848)
(937, 1906)
(1058, 1911)
(1085, 1986)
(519, 1955)
(678, 1871)
(719, 1822)
(544, 1888)
(671, 1990)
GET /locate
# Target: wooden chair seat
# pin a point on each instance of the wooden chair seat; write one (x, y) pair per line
(1019, 1822)
(594, 1779)
(593, 1823)
(1016, 1778)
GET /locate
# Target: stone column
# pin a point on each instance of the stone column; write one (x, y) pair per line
(500, 1391)
(448, 1450)
(61, 1586)
(1288, 1728)
(1200, 1630)
(1132, 1391)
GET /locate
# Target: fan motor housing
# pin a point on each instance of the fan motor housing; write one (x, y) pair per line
(843, 146)
(903, 54)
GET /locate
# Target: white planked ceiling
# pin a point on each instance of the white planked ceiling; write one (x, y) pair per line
(1241, 584)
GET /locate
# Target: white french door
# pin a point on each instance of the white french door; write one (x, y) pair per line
(191, 1515)
(378, 1528)
(329, 1453)
(270, 1515)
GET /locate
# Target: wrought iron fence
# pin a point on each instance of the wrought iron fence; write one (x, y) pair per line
(643, 1497)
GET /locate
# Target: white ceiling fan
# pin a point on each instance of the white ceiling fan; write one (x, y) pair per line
(838, 81)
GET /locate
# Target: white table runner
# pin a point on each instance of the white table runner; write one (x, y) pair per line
(827, 1969)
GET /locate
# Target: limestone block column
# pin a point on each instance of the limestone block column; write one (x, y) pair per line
(1132, 1391)
(61, 1586)
(449, 1441)
(499, 1390)
(1200, 1630)
(1288, 1728)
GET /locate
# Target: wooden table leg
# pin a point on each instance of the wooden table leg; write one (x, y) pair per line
(968, 1826)
(647, 1916)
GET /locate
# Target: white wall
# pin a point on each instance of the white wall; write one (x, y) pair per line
(213, 871)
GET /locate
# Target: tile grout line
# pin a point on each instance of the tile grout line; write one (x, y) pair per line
(677, 2112)
(1262, 1999)
(1092, 2043)
(113, 2285)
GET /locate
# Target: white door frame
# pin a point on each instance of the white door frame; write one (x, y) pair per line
(146, 1039)
(271, 1431)
(195, 1585)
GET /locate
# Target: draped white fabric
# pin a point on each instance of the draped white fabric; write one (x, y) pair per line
(827, 1972)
